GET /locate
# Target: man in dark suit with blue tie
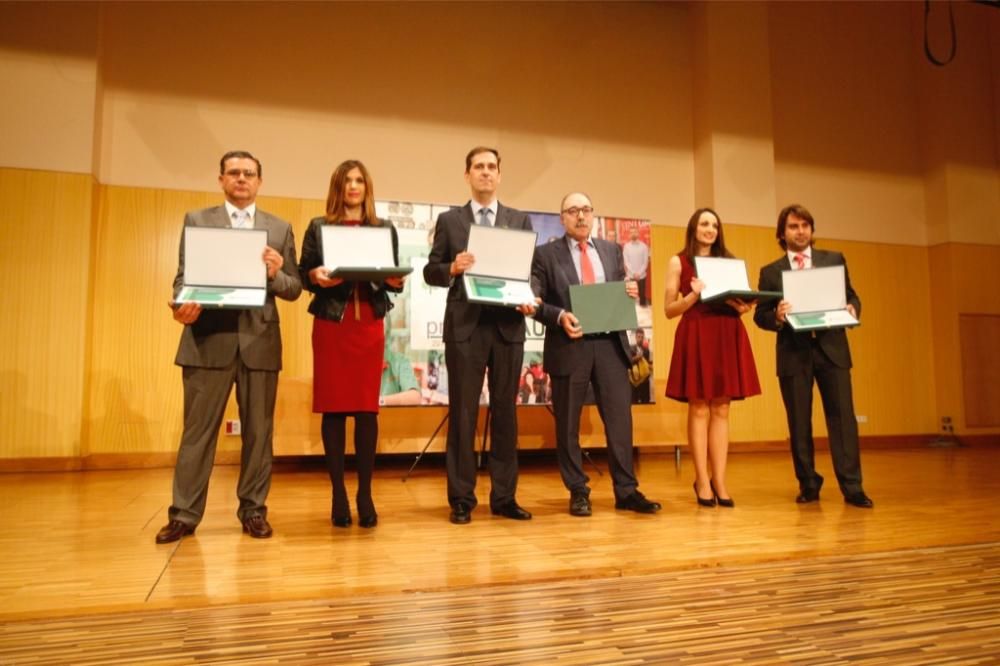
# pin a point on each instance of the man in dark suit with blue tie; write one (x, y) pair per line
(574, 360)
(476, 338)
(221, 347)
(821, 356)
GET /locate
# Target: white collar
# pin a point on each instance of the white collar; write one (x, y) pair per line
(251, 210)
(476, 207)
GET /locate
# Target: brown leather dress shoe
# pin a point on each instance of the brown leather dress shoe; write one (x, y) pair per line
(173, 531)
(257, 527)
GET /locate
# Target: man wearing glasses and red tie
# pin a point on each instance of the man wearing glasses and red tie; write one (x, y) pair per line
(574, 360)
(820, 356)
(221, 347)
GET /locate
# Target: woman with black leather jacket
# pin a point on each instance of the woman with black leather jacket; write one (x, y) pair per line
(348, 341)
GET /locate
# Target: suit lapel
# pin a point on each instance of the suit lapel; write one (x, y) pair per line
(820, 258)
(462, 233)
(503, 216)
(217, 217)
(260, 221)
(466, 213)
(565, 261)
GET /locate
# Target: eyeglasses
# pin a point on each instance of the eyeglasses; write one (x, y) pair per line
(246, 173)
(576, 210)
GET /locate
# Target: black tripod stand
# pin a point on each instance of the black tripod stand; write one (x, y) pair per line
(482, 445)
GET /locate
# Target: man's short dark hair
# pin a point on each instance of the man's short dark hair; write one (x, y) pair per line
(480, 149)
(240, 155)
(798, 211)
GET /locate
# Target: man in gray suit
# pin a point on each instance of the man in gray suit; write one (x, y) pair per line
(574, 360)
(821, 357)
(220, 347)
(478, 337)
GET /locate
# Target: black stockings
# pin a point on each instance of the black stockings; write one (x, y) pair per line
(334, 442)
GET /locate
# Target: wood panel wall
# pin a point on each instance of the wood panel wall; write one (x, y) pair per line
(88, 350)
(45, 255)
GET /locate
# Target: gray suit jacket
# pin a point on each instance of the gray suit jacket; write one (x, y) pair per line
(451, 236)
(214, 339)
(794, 349)
(552, 273)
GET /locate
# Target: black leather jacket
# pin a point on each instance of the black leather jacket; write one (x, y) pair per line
(331, 302)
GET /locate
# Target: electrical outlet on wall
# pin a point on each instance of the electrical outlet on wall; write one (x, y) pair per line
(233, 427)
(862, 418)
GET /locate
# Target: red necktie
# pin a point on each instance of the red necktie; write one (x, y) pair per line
(800, 261)
(586, 268)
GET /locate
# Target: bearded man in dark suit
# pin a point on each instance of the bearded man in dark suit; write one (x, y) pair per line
(820, 356)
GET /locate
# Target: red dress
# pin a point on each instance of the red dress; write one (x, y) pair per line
(347, 356)
(712, 358)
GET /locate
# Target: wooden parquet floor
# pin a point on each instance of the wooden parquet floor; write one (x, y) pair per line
(936, 605)
(916, 580)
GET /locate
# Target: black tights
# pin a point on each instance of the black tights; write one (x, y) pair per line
(334, 442)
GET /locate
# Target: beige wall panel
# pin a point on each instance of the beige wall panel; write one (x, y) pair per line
(733, 123)
(846, 140)
(580, 118)
(135, 400)
(48, 74)
(46, 258)
(976, 276)
(944, 324)
(963, 282)
(893, 349)
(957, 110)
(981, 369)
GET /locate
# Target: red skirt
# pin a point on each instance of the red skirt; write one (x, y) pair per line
(712, 358)
(347, 361)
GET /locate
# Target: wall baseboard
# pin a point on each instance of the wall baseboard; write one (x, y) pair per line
(124, 461)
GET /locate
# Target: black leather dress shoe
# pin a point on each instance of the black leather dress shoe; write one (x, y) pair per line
(637, 502)
(860, 500)
(807, 495)
(368, 521)
(511, 510)
(257, 527)
(460, 514)
(579, 505)
(173, 531)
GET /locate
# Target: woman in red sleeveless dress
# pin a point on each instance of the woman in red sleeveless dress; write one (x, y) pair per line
(712, 363)
(348, 342)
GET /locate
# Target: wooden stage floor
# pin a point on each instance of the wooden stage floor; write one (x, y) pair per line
(916, 580)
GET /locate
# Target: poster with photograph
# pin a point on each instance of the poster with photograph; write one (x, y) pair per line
(414, 368)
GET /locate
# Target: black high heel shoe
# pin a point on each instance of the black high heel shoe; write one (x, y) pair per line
(367, 517)
(341, 521)
(701, 501)
(726, 502)
(338, 519)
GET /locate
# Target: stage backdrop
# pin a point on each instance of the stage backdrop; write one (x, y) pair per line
(414, 349)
